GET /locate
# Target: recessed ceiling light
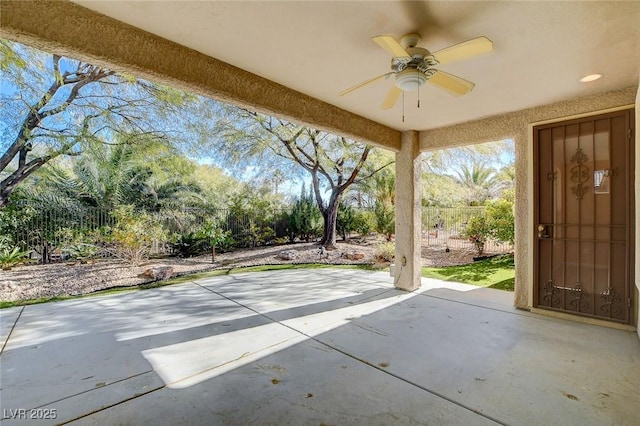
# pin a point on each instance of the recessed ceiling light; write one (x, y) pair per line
(590, 77)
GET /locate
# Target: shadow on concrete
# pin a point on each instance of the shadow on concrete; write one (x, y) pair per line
(337, 347)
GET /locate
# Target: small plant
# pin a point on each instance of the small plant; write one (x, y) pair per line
(216, 237)
(190, 244)
(82, 251)
(10, 257)
(385, 252)
(280, 241)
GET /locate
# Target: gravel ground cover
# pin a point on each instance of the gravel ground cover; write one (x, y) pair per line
(58, 279)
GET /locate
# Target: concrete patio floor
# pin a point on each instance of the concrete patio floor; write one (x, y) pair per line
(323, 346)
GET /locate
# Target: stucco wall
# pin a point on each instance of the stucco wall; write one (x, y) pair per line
(518, 126)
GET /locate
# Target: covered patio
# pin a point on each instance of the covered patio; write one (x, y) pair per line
(348, 347)
(331, 346)
(293, 59)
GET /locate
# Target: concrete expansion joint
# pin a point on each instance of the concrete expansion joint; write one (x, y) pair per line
(106, 407)
(365, 362)
(522, 313)
(6, 341)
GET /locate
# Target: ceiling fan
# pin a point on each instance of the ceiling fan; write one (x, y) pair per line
(412, 66)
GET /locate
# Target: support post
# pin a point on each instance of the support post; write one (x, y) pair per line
(525, 241)
(408, 204)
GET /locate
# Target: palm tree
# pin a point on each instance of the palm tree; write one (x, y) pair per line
(480, 181)
(108, 175)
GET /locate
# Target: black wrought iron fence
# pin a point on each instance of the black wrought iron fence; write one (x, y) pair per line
(444, 227)
(45, 230)
(48, 232)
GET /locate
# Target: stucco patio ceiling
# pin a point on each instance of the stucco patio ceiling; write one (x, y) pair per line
(541, 49)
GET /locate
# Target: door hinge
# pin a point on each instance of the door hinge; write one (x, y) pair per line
(629, 302)
(629, 133)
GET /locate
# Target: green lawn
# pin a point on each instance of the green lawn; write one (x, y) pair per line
(498, 272)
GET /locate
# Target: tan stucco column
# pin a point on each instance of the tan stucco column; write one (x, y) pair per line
(524, 239)
(408, 212)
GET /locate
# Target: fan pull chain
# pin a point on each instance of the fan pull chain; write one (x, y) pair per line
(418, 96)
(403, 106)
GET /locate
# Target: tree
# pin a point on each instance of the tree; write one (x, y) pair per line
(365, 192)
(148, 174)
(467, 175)
(55, 106)
(333, 162)
(479, 180)
(384, 185)
(442, 190)
(445, 160)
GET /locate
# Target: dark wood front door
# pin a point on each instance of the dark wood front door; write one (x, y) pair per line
(583, 216)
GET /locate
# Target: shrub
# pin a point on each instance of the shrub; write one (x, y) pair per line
(497, 225)
(257, 234)
(346, 220)
(255, 218)
(477, 231)
(82, 245)
(190, 244)
(385, 252)
(354, 220)
(363, 222)
(305, 220)
(134, 234)
(15, 218)
(225, 242)
(501, 221)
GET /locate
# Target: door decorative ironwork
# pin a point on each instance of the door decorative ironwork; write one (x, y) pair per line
(579, 174)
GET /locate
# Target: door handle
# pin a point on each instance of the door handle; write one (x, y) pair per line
(542, 232)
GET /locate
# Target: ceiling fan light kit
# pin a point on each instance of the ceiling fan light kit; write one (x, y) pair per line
(413, 66)
(410, 79)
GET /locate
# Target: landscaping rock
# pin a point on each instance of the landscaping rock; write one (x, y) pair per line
(288, 254)
(9, 285)
(159, 273)
(354, 255)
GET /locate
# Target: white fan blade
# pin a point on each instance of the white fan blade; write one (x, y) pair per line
(451, 83)
(392, 97)
(464, 50)
(392, 46)
(364, 83)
